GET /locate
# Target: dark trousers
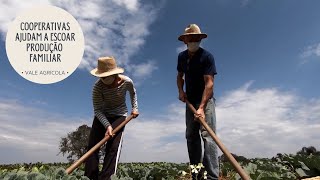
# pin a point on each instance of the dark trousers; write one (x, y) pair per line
(112, 150)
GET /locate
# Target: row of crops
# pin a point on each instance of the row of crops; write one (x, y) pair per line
(283, 166)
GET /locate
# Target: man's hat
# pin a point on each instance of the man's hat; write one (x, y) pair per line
(192, 30)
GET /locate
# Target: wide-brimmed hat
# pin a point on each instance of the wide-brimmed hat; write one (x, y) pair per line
(107, 66)
(192, 30)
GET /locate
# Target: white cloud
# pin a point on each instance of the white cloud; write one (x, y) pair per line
(161, 138)
(250, 122)
(143, 70)
(263, 122)
(10, 9)
(312, 50)
(131, 5)
(113, 27)
(34, 133)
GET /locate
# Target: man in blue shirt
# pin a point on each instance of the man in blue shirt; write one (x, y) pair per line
(196, 67)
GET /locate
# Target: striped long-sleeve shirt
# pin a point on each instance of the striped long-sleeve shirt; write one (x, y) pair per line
(112, 101)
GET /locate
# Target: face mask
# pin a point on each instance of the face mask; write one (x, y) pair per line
(193, 46)
(108, 80)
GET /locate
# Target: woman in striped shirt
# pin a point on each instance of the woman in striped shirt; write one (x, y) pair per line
(110, 109)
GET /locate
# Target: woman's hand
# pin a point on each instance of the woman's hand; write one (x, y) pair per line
(109, 131)
(135, 114)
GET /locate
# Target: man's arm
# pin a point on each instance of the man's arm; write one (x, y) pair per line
(180, 83)
(207, 93)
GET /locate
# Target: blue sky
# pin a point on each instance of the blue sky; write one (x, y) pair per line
(267, 56)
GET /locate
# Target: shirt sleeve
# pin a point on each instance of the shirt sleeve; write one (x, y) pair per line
(179, 65)
(209, 66)
(97, 99)
(133, 96)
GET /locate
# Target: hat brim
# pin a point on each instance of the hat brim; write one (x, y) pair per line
(96, 73)
(200, 36)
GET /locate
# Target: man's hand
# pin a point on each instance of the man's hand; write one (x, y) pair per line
(182, 96)
(135, 114)
(200, 113)
(109, 131)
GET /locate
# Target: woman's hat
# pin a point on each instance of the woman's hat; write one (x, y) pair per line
(107, 66)
(192, 30)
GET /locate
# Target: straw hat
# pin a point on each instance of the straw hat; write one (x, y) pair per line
(107, 66)
(192, 30)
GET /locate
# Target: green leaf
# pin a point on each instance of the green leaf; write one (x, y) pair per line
(35, 169)
(301, 172)
(303, 166)
(250, 168)
(60, 173)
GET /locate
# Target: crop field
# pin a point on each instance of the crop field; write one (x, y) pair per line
(283, 166)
